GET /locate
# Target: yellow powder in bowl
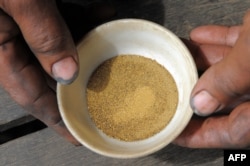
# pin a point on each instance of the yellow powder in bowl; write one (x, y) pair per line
(131, 97)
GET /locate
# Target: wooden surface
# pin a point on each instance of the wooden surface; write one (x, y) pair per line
(44, 147)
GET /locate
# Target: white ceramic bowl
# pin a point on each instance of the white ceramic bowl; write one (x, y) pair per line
(127, 36)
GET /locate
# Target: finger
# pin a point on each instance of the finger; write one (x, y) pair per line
(225, 81)
(26, 85)
(210, 55)
(50, 82)
(47, 35)
(216, 35)
(220, 85)
(206, 55)
(8, 28)
(231, 131)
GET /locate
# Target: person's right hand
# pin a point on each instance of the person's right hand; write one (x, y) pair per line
(223, 86)
(47, 36)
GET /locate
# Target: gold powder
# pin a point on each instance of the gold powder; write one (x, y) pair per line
(131, 97)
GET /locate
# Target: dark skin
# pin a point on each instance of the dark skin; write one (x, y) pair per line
(223, 88)
(222, 52)
(51, 43)
(37, 51)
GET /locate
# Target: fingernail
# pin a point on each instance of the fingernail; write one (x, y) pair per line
(204, 103)
(65, 71)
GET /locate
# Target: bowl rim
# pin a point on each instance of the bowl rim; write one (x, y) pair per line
(60, 86)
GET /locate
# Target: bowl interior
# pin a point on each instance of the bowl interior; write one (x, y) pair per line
(128, 36)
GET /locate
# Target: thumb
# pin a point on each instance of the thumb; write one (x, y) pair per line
(227, 80)
(47, 36)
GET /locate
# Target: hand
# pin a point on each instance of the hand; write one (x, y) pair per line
(37, 25)
(49, 39)
(225, 86)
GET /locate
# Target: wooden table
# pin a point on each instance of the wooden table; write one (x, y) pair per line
(44, 147)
